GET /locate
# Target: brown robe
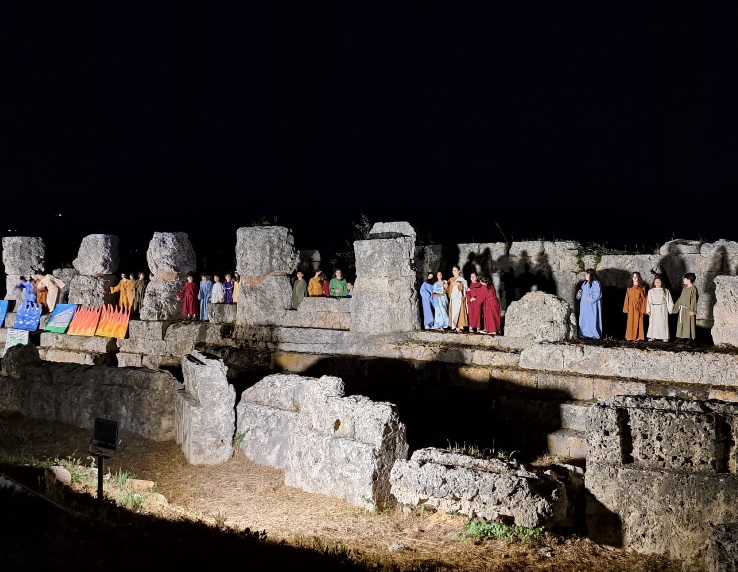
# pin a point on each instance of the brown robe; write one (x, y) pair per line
(635, 307)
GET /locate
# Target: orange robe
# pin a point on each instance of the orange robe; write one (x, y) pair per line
(127, 289)
(315, 287)
(635, 307)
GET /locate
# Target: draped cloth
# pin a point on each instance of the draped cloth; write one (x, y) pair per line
(686, 303)
(440, 306)
(426, 294)
(456, 290)
(491, 311)
(658, 306)
(126, 287)
(635, 306)
(217, 293)
(188, 295)
(474, 300)
(299, 291)
(590, 310)
(206, 289)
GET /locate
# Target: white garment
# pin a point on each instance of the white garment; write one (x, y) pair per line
(455, 301)
(658, 305)
(217, 294)
(53, 286)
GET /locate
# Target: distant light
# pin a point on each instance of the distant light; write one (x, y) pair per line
(59, 214)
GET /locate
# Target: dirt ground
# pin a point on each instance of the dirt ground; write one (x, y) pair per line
(239, 494)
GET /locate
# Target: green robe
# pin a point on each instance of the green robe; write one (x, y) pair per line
(299, 291)
(687, 302)
(341, 285)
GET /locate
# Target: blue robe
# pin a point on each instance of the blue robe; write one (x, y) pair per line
(228, 286)
(440, 306)
(28, 294)
(426, 293)
(206, 288)
(590, 311)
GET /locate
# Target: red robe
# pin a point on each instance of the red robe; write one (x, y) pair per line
(188, 295)
(474, 305)
(491, 310)
(326, 288)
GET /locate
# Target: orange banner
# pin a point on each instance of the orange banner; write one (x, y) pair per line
(84, 322)
(113, 321)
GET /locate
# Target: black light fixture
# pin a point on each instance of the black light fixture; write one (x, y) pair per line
(102, 446)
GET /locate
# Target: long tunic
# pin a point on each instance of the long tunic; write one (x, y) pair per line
(456, 290)
(28, 292)
(491, 312)
(299, 291)
(236, 290)
(206, 289)
(126, 288)
(315, 286)
(228, 287)
(52, 286)
(686, 303)
(635, 306)
(339, 287)
(138, 294)
(426, 293)
(474, 300)
(590, 310)
(440, 306)
(188, 295)
(217, 293)
(658, 306)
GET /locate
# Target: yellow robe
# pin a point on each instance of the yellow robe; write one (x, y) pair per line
(315, 287)
(127, 289)
(236, 290)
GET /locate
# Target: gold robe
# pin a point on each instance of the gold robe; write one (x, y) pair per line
(127, 289)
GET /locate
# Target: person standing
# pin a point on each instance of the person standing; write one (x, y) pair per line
(440, 303)
(474, 300)
(658, 307)
(139, 291)
(217, 293)
(456, 290)
(299, 290)
(491, 311)
(188, 295)
(206, 289)
(426, 295)
(686, 307)
(29, 293)
(338, 285)
(48, 287)
(315, 286)
(126, 288)
(635, 306)
(236, 286)
(228, 287)
(590, 307)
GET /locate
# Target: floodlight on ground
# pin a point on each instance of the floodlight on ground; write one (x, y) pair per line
(102, 446)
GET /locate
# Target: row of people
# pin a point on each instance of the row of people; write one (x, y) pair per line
(131, 291)
(44, 290)
(197, 297)
(454, 304)
(319, 285)
(640, 301)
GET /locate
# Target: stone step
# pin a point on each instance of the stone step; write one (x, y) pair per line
(567, 443)
(574, 415)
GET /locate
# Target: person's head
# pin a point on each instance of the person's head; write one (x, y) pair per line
(190, 278)
(338, 273)
(439, 276)
(40, 275)
(430, 277)
(689, 278)
(216, 278)
(141, 275)
(657, 282)
(236, 276)
(123, 276)
(350, 286)
(483, 280)
(590, 275)
(22, 278)
(473, 277)
(456, 270)
(635, 280)
(228, 278)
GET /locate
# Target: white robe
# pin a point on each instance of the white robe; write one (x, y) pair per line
(658, 306)
(217, 294)
(53, 286)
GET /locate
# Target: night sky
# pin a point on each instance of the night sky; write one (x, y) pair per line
(483, 121)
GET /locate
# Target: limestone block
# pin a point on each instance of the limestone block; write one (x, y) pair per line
(725, 312)
(320, 312)
(170, 252)
(544, 316)
(142, 346)
(73, 356)
(356, 472)
(308, 262)
(92, 291)
(263, 300)
(482, 258)
(148, 329)
(383, 304)
(605, 431)
(681, 246)
(205, 414)
(262, 250)
(387, 257)
(265, 432)
(98, 255)
(489, 489)
(721, 550)
(160, 300)
(161, 361)
(614, 270)
(222, 313)
(529, 248)
(129, 360)
(287, 391)
(23, 255)
(65, 275)
(392, 230)
(97, 344)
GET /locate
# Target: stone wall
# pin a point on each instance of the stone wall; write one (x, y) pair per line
(97, 262)
(141, 400)
(660, 473)
(22, 256)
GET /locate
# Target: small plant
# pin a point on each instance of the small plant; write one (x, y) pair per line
(238, 438)
(220, 519)
(120, 477)
(480, 530)
(132, 500)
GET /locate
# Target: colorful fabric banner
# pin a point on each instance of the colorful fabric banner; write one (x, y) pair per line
(60, 318)
(84, 321)
(15, 338)
(113, 321)
(3, 311)
(28, 317)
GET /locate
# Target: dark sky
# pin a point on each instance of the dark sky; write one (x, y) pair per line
(594, 121)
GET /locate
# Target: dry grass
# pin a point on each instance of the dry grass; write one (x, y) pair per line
(239, 494)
